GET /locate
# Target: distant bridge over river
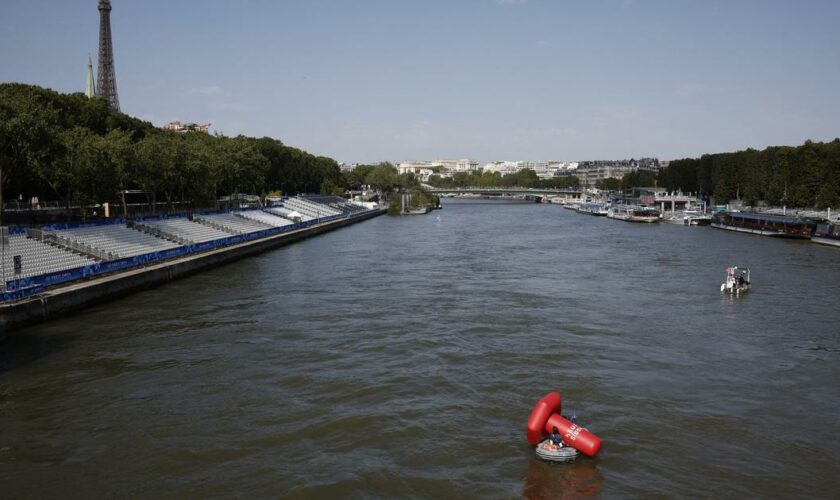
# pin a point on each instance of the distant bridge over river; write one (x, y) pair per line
(533, 194)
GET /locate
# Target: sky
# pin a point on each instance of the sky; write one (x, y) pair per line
(388, 80)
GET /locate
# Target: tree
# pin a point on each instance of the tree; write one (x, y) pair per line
(609, 184)
(383, 177)
(355, 178)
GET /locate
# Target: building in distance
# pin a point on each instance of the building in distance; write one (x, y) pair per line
(183, 128)
(543, 169)
(591, 172)
(423, 169)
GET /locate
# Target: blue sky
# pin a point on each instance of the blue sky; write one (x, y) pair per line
(370, 80)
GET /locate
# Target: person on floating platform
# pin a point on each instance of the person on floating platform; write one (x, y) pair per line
(556, 437)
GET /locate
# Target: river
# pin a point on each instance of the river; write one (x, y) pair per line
(401, 357)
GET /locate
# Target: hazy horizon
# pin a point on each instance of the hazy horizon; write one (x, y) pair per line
(371, 81)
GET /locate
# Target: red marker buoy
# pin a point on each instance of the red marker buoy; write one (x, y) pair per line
(574, 435)
(547, 406)
(545, 416)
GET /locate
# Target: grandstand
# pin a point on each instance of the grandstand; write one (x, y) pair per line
(265, 217)
(232, 223)
(109, 241)
(188, 231)
(310, 208)
(336, 203)
(38, 258)
(63, 253)
(288, 213)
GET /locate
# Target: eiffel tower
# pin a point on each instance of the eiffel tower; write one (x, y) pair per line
(106, 85)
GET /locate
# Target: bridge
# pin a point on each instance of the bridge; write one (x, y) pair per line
(535, 194)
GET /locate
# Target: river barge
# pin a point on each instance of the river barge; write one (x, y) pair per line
(632, 213)
(593, 208)
(779, 226)
(827, 234)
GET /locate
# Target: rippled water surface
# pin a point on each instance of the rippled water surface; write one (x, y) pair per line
(401, 357)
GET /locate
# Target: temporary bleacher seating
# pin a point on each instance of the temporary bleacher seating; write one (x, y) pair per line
(335, 202)
(265, 217)
(288, 213)
(38, 258)
(189, 231)
(232, 223)
(58, 254)
(110, 241)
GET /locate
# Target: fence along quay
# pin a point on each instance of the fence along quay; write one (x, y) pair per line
(61, 268)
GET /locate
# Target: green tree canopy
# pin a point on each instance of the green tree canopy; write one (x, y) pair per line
(74, 149)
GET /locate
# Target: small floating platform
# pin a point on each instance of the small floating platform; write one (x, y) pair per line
(551, 452)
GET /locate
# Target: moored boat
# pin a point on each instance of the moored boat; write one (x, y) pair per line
(827, 234)
(696, 218)
(633, 213)
(592, 208)
(780, 226)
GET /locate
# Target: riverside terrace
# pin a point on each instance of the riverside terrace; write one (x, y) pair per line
(33, 259)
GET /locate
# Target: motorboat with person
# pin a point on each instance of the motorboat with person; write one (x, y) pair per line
(737, 280)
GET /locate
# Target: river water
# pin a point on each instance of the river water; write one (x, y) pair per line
(401, 357)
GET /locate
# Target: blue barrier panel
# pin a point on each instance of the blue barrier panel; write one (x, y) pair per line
(21, 293)
(16, 230)
(213, 212)
(116, 265)
(47, 279)
(176, 215)
(74, 225)
(207, 245)
(14, 284)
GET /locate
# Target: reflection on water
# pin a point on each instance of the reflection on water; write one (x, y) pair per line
(402, 357)
(556, 480)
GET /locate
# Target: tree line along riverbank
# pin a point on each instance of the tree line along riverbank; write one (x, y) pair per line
(78, 151)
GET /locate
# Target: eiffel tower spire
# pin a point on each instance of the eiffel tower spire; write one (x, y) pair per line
(106, 85)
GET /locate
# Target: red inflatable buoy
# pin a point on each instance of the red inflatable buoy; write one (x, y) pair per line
(547, 406)
(545, 416)
(574, 435)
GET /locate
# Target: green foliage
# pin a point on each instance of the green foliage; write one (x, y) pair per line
(639, 178)
(420, 197)
(804, 176)
(384, 177)
(355, 178)
(69, 147)
(609, 184)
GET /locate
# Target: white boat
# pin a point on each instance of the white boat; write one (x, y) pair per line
(688, 218)
(696, 218)
(633, 213)
(737, 281)
(593, 208)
